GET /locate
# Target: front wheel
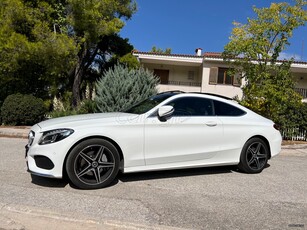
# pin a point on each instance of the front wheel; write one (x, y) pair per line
(254, 156)
(93, 164)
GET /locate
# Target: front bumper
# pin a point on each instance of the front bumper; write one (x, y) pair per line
(46, 160)
(35, 168)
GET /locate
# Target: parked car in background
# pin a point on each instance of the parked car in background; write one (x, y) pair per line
(167, 131)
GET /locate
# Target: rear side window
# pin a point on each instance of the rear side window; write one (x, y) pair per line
(224, 109)
(192, 106)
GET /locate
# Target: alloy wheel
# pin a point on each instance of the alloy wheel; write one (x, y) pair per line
(94, 164)
(256, 156)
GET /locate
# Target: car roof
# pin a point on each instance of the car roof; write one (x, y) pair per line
(175, 92)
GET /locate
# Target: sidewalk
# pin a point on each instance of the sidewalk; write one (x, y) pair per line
(294, 150)
(14, 131)
(20, 218)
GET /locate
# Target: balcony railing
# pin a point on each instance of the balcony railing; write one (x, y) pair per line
(197, 84)
(302, 92)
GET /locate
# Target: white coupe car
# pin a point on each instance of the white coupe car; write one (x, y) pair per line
(168, 131)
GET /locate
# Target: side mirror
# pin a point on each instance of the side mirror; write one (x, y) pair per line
(165, 112)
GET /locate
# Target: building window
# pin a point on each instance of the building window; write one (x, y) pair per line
(222, 76)
(191, 75)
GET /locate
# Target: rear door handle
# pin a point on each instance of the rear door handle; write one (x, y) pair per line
(211, 123)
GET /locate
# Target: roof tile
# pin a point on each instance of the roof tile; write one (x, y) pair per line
(216, 55)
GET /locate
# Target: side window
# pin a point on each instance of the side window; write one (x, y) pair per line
(224, 109)
(192, 106)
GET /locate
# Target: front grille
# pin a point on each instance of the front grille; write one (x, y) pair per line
(27, 150)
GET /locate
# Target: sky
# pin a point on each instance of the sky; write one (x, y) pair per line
(184, 25)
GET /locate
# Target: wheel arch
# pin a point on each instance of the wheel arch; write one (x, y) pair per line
(121, 156)
(265, 141)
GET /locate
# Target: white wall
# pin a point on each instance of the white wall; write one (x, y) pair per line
(164, 88)
(300, 80)
(177, 73)
(202, 73)
(225, 90)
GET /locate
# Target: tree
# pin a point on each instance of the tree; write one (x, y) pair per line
(91, 22)
(47, 46)
(154, 49)
(34, 56)
(130, 60)
(120, 88)
(253, 52)
(111, 49)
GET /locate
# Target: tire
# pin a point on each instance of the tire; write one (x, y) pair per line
(254, 156)
(93, 164)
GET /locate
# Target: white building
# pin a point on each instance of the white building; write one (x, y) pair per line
(204, 73)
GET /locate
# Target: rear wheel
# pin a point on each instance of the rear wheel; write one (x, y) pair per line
(93, 164)
(254, 156)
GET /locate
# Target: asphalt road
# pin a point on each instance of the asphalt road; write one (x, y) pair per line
(206, 198)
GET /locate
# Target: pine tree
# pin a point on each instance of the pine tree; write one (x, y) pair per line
(120, 88)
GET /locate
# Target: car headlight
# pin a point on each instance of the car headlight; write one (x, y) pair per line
(31, 137)
(55, 135)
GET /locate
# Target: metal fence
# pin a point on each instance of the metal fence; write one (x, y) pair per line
(302, 92)
(197, 84)
(294, 134)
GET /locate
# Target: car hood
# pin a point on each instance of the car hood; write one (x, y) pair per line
(94, 119)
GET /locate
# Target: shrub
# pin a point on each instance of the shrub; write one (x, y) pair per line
(62, 108)
(62, 113)
(87, 106)
(120, 88)
(19, 109)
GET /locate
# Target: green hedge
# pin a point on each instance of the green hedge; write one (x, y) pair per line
(19, 109)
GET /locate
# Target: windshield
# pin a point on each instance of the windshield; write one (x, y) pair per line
(149, 103)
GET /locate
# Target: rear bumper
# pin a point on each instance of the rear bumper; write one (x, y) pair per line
(275, 145)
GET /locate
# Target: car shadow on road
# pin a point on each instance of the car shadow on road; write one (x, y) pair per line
(176, 173)
(141, 176)
(49, 182)
(58, 183)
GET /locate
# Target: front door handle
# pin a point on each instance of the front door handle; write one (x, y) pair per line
(211, 123)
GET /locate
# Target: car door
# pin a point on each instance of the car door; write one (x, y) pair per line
(236, 129)
(191, 134)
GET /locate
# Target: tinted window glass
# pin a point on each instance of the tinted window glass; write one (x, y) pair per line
(223, 109)
(192, 106)
(148, 104)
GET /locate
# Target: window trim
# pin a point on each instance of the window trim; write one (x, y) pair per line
(212, 101)
(214, 77)
(225, 75)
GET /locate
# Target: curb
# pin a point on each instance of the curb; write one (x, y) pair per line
(295, 146)
(15, 132)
